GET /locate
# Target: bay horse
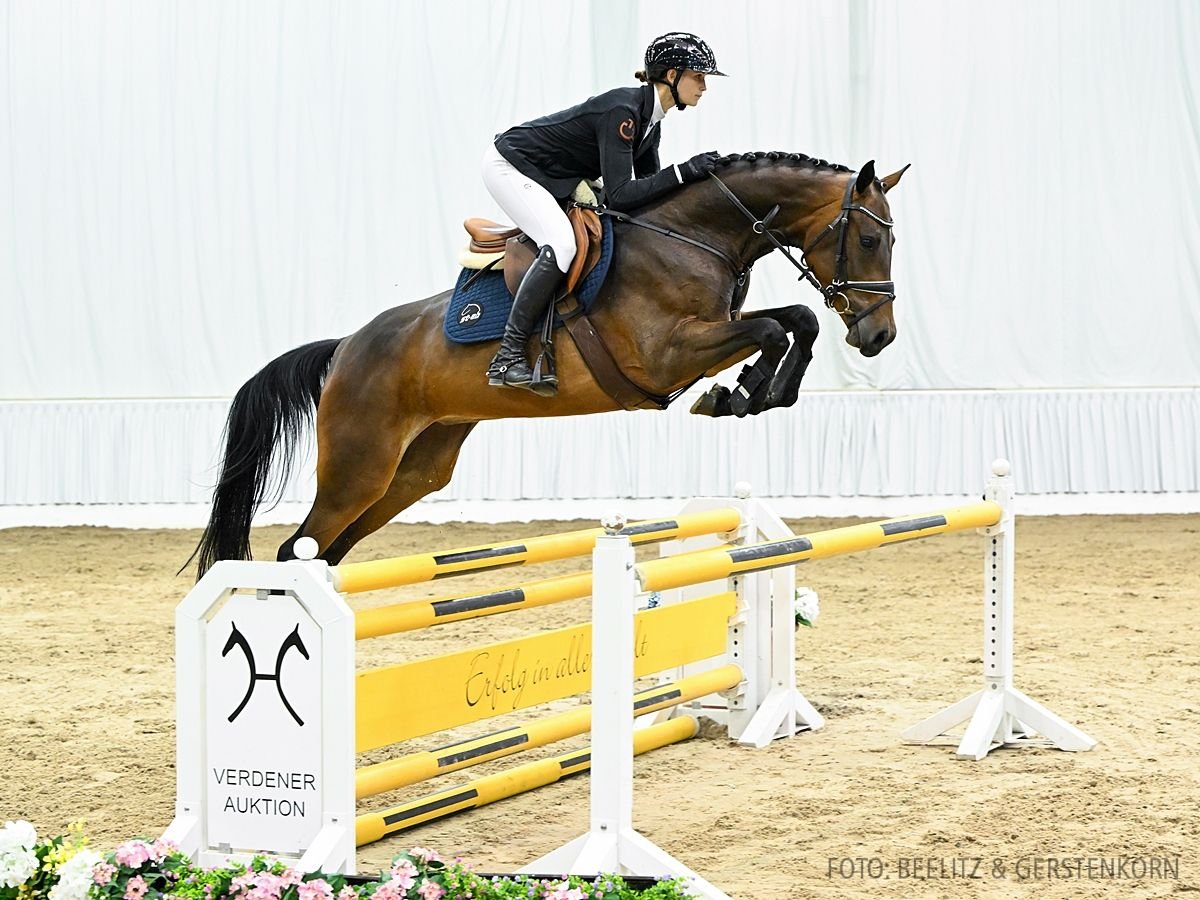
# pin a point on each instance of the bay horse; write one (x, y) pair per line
(395, 400)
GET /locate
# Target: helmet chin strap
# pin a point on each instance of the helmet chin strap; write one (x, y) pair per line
(674, 86)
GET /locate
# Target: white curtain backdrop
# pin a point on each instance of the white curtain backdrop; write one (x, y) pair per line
(189, 189)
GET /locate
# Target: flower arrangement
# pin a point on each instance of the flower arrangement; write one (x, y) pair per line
(59, 868)
(807, 607)
(65, 868)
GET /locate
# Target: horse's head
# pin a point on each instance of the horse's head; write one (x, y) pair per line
(851, 257)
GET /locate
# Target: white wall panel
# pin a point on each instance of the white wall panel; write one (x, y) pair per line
(188, 189)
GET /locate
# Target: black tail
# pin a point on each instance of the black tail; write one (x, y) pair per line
(268, 415)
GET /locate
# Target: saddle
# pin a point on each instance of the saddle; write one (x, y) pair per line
(496, 246)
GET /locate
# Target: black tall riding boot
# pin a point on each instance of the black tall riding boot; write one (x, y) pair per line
(510, 368)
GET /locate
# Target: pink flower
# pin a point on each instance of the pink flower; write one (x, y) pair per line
(269, 882)
(430, 891)
(241, 882)
(132, 854)
(425, 855)
(102, 873)
(161, 849)
(347, 893)
(266, 887)
(290, 878)
(404, 874)
(564, 891)
(136, 888)
(317, 889)
(387, 891)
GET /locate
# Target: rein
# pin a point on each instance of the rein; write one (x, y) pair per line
(886, 290)
(742, 272)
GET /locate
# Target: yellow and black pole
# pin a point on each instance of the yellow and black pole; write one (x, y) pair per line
(482, 791)
(352, 578)
(710, 565)
(416, 767)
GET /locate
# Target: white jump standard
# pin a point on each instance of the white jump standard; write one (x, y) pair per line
(1001, 716)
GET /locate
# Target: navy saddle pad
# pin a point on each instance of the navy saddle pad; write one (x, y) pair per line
(479, 312)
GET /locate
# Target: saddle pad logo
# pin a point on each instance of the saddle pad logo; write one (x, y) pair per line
(470, 314)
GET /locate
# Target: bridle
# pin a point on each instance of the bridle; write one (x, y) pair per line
(837, 288)
(885, 290)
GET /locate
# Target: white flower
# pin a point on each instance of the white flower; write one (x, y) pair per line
(75, 876)
(16, 867)
(807, 606)
(17, 860)
(19, 833)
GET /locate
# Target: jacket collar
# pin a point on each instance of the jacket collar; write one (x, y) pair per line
(649, 98)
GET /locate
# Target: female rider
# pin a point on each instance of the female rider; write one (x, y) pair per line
(532, 168)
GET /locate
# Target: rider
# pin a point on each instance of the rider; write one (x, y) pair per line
(532, 168)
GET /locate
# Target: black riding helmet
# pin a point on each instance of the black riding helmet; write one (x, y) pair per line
(679, 50)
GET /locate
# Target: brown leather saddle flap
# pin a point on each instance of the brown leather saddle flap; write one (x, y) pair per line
(518, 257)
(588, 235)
(520, 250)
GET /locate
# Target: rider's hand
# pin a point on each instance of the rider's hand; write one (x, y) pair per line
(698, 166)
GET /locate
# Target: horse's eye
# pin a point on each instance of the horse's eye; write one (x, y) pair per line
(868, 242)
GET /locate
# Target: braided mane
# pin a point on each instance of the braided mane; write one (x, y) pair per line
(778, 155)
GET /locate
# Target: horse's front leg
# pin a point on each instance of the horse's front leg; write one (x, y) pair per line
(708, 346)
(801, 323)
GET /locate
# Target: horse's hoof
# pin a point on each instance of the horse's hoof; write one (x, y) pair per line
(714, 402)
(740, 402)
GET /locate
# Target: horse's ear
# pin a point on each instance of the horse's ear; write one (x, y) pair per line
(865, 176)
(890, 181)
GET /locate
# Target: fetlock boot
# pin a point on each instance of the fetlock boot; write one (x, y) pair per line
(509, 367)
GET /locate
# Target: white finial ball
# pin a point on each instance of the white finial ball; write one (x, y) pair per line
(1001, 467)
(613, 522)
(305, 548)
(741, 490)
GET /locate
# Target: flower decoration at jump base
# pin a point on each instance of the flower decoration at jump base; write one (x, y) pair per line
(807, 607)
(58, 868)
(65, 868)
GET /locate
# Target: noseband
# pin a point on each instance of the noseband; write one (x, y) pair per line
(886, 290)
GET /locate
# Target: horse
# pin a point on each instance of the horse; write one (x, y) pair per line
(395, 400)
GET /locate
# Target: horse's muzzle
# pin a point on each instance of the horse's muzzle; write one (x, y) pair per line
(869, 340)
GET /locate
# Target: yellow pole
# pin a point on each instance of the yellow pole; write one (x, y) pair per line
(416, 614)
(482, 791)
(710, 565)
(352, 578)
(415, 767)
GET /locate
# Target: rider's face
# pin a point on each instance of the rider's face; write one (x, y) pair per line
(691, 87)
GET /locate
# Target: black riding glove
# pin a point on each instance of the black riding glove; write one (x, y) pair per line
(698, 166)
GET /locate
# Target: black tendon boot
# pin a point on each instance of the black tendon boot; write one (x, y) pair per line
(509, 367)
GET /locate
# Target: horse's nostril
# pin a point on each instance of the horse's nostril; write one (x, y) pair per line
(877, 341)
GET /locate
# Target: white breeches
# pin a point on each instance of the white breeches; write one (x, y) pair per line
(531, 207)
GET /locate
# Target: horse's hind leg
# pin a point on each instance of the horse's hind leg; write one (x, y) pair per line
(355, 468)
(426, 467)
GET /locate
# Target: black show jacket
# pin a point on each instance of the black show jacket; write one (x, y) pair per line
(600, 137)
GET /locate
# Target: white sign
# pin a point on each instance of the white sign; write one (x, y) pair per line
(263, 725)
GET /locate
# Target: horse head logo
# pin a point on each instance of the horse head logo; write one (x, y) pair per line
(292, 641)
(470, 314)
